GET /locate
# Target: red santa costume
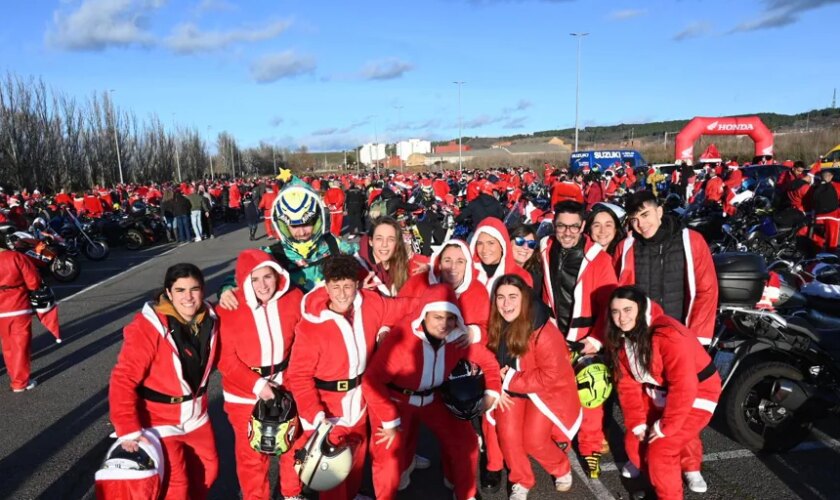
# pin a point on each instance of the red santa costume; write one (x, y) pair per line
(325, 370)
(566, 190)
(714, 188)
(334, 200)
(400, 386)
(700, 281)
(256, 340)
(381, 278)
(672, 402)
(267, 205)
(496, 228)
(544, 392)
(595, 282)
(18, 276)
(151, 389)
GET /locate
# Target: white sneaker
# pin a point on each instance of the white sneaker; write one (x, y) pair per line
(564, 482)
(405, 480)
(296, 497)
(197, 238)
(29, 386)
(518, 492)
(421, 462)
(630, 471)
(695, 481)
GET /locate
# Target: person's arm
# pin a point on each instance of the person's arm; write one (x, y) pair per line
(606, 282)
(300, 376)
(701, 321)
(630, 397)
(378, 374)
(549, 352)
(481, 355)
(680, 376)
(31, 277)
(234, 371)
(133, 365)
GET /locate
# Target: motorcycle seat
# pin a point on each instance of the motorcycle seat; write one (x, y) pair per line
(824, 329)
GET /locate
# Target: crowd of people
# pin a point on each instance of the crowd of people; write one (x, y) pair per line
(341, 316)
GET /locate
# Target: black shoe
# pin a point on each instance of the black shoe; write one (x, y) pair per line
(491, 480)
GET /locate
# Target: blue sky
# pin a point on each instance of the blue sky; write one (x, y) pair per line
(330, 75)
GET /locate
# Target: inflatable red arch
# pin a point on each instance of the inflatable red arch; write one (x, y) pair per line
(728, 125)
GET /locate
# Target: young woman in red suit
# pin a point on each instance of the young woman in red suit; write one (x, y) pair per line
(668, 389)
(539, 391)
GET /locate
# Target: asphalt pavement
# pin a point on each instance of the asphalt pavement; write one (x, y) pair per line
(54, 437)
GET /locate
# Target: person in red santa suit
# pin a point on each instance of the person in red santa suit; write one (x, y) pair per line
(734, 176)
(796, 187)
(400, 385)
(578, 278)
(266, 204)
(256, 340)
(160, 382)
(668, 389)
(563, 189)
(539, 388)
(18, 277)
(492, 253)
(714, 189)
(333, 343)
(334, 200)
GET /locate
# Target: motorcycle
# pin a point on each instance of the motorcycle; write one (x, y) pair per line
(83, 237)
(46, 250)
(141, 226)
(779, 373)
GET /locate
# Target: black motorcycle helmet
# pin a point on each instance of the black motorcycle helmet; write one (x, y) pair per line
(42, 298)
(672, 202)
(274, 424)
(463, 393)
(138, 208)
(119, 458)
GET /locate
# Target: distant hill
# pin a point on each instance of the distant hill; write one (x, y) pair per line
(810, 120)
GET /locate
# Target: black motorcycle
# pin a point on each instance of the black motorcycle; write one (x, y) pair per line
(779, 373)
(84, 236)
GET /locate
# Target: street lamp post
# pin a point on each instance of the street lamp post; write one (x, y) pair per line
(116, 138)
(399, 109)
(460, 137)
(210, 153)
(579, 36)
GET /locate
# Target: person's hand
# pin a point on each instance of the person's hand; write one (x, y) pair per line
(227, 300)
(505, 401)
(652, 435)
(588, 348)
(504, 371)
(369, 283)
(387, 436)
(422, 268)
(489, 401)
(640, 434)
(464, 341)
(266, 393)
(132, 445)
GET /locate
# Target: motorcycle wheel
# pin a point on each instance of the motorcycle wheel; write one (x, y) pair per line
(65, 269)
(753, 418)
(134, 239)
(98, 250)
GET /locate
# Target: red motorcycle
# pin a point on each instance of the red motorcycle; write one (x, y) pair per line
(46, 250)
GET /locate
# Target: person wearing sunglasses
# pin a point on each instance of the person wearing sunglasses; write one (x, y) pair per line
(578, 279)
(524, 250)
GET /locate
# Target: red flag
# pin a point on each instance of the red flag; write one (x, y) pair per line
(49, 318)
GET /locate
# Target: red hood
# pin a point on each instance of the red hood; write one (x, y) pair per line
(434, 270)
(495, 228)
(438, 298)
(250, 260)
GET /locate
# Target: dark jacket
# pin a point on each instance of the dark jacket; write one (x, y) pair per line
(479, 209)
(181, 205)
(565, 265)
(252, 215)
(354, 200)
(660, 267)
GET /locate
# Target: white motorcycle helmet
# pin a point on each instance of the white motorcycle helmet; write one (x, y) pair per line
(127, 475)
(321, 465)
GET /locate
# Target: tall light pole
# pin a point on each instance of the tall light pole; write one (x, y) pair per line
(116, 138)
(210, 152)
(460, 138)
(399, 109)
(579, 36)
(177, 152)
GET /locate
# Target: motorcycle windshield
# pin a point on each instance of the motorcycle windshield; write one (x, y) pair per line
(768, 227)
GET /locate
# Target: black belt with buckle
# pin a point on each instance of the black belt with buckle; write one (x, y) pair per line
(159, 397)
(408, 392)
(338, 385)
(265, 371)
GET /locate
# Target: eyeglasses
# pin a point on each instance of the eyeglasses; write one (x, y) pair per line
(572, 228)
(520, 241)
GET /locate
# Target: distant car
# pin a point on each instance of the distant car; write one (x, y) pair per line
(830, 159)
(760, 172)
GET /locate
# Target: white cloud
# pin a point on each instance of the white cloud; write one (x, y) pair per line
(214, 6)
(188, 38)
(386, 69)
(482, 121)
(781, 13)
(624, 15)
(99, 24)
(515, 123)
(693, 30)
(276, 121)
(286, 64)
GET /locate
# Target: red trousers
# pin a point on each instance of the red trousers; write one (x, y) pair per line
(191, 464)
(666, 458)
(459, 450)
(524, 431)
(358, 436)
(16, 337)
(591, 434)
(336, 221)
(269, 227)
(252, 467)
(831, 223)
(495, 458)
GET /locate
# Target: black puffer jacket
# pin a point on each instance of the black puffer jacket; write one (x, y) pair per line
(479, 209)
(564, 265)
(660, 267)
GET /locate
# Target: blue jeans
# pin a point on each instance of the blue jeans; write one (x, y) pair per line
(182, 226)
(195, 216)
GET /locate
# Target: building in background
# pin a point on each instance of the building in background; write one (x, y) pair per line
(413, 146)
(371, 153)
(452, 147)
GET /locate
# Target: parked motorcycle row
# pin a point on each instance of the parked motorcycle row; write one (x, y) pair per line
(55, 240)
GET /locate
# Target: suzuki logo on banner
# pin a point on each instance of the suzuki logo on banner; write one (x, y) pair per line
(729, 127)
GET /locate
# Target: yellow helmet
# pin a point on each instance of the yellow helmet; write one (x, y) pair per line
(594, 381)
(298, 206)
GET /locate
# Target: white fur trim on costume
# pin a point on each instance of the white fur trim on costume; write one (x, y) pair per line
(307, 426)
(657, 429)
(233, 398)
(391, 424)
(508, 377)
(15, 313)
(705, 405)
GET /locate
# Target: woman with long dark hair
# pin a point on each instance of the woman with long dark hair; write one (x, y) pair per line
(159, 384)
(605, 226)
(668, 389)
(539, 388)
(382, 253)
(526, 254)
